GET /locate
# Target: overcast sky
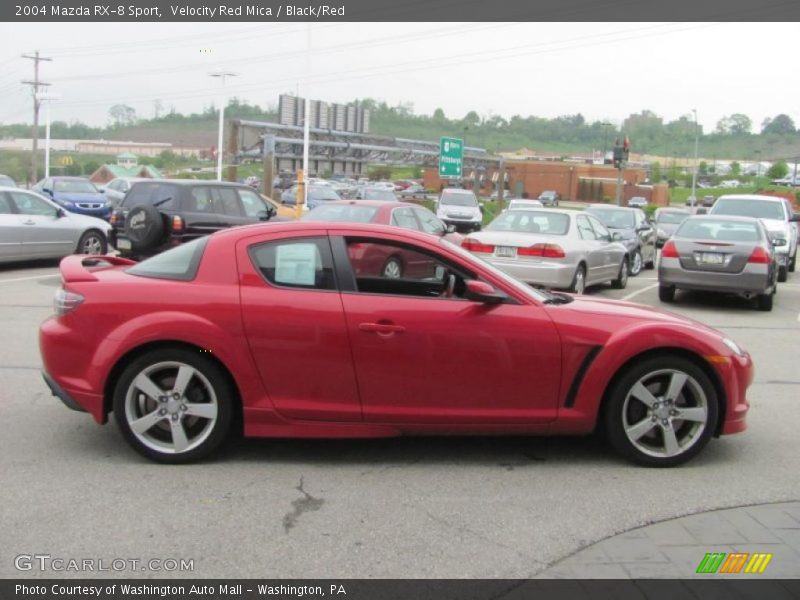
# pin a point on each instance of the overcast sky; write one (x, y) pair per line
(604, 71)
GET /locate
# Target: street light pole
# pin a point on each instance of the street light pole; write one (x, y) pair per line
(222, 75)
(47, 98)
(694, 173)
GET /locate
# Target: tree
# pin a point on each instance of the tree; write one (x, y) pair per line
(735, 124)
(781, 124)
(438, 115)
(778, 170)
(655, 172)
(702, 168)
(736, 169)
(122, 114)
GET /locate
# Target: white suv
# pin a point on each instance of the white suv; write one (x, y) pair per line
(777, 216)
(460, 208)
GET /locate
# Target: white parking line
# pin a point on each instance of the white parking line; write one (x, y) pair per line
(641, 291)
(28, 278)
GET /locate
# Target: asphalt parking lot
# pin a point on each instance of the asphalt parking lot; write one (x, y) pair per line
(438, 508)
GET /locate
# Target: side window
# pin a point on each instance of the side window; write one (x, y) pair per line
(600, 230)
(429, 221)
(252, 203)
(404, 217)
(200, 201)
(228, 202)
(5, 205)
(304, 263)
(384, 267)
(585, 228)
(28, 204)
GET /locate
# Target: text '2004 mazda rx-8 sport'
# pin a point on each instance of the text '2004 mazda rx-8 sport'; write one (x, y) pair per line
(280, 331)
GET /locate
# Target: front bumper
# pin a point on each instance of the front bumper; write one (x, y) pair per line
(101, 213)
(737, 374)
(462, 223)
(58, 392)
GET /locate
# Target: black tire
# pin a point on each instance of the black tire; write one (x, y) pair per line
(579, 280)
(392, 268)
(666, 293)
(162, 367)
(92, 242)
(624, 411)
(764, 301)
(793, 262)
(651, 264)
(144, 227)
(782, 274)
(636, 262)
(622, 276)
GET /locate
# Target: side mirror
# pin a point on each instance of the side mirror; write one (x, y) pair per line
(616, 237)
(480, 291)
(450, 228)
(795, 218)
(777, 243)
(60, 213)
(263, 215)
(47, 191)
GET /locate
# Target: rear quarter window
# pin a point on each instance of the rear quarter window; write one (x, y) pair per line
(179, 263)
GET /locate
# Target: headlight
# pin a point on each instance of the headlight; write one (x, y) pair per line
(733, 346)
(65, 202)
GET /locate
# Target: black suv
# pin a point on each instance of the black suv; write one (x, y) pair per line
(157, 215)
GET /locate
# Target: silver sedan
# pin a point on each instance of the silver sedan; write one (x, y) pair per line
(720, 254)
(554, 248)
(32, 227)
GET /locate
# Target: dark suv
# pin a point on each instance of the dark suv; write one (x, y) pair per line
(156, 215)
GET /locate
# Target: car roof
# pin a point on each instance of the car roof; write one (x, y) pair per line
(752, 197)
(375, 203)
(68, 177)
(321, 227)
(457, 190)
(729, 218)
(613, 207)
(186, 182)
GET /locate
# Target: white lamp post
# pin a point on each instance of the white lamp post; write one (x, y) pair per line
(222, 75)
(47, 98)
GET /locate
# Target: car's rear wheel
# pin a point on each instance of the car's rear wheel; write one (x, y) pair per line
(765, 301)
(392, 269)
(636, 262)
(782, 276)
(622, 276)
(92, 242)
(173, 405)
(579, 280)
(793, 262)
(666, 293)
(661, 412)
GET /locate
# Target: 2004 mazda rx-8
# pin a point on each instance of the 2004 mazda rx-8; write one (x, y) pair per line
(279, 329)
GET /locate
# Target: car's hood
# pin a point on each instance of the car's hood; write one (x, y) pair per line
(79, 197)
(668, 227)
(776, 225)
(618, 313)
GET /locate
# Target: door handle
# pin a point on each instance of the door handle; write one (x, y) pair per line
(29, 222)
(381, 328)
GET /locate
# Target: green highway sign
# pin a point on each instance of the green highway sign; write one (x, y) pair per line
(451, 157)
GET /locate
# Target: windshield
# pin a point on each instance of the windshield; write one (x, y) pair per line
(350, 213)
(724, 231)
(531, 221)
(74, 186)
(743, 207)
(458, 199)
(379, 194)
(671, 218)
(613, 218)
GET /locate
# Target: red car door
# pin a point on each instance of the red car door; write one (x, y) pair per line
(295, 326)
(427, 359)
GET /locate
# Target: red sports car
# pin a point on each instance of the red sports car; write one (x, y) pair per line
(270, 327)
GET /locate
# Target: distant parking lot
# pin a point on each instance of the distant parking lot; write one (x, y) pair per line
(454, 507)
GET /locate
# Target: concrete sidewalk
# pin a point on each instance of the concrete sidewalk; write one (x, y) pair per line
(675, 548)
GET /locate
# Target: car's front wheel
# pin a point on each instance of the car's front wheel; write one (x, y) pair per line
(622, 276)
(173, 405)
(661, 412)
(636, 262)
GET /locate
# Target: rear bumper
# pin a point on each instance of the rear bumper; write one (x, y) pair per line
(752, 280)
(544, 273)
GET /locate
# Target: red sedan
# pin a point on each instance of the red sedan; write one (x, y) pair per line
(370, 259)
(269, 326)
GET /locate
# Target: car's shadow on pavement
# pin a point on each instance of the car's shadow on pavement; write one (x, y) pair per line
(28, 264)
(711, 302)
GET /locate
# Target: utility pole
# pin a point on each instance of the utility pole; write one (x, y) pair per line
(269, 163)
(694, 171)
(35, 85)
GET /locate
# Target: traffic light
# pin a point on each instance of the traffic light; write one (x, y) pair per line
(619, 156)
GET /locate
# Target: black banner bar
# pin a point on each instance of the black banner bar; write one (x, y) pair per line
(707, 588)
(398, 10)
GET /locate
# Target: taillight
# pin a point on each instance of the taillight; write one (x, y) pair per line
(475, 246)
(177, 223)
(669, 250)
(543, 250)
(760, 256)
(65, 301)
